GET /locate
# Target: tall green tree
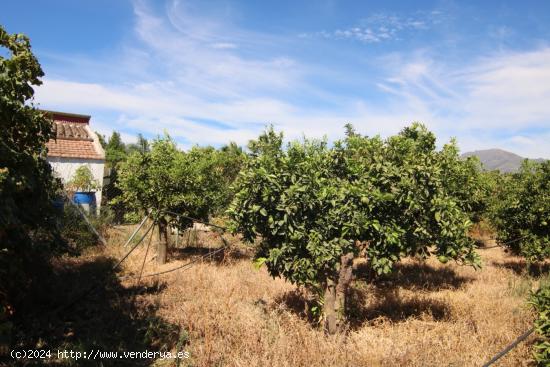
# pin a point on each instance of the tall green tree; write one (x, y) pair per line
(464, 180)
(229, 160)
(115, 150)
(141, 146)
(102, 140)
(315, 208)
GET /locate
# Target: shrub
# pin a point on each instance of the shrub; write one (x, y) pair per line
(83, 180)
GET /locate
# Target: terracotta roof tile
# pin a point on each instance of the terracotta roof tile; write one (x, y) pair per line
(73, 139)
(72, 149)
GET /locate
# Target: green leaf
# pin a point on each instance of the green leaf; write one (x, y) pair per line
(258, 262)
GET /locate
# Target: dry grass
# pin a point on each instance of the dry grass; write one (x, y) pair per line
(425, 314)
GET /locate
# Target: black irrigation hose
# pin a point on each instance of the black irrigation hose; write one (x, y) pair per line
(523, 336)
(184, 266)
(511, 346)
(225, 229)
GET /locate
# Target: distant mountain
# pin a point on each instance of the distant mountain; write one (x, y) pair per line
(499, 159)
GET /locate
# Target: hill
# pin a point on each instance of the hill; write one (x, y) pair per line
(502, 160)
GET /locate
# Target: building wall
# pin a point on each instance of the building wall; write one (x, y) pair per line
(66, 167)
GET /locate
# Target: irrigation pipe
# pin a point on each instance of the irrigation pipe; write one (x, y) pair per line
(196, 220)
(512, 345)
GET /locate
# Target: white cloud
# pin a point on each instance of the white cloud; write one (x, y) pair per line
(500, 96)
(206, 83)
(224, 45)
(189, 69)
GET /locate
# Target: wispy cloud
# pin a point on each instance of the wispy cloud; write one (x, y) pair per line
(495, 101)
(382, 27)
(207, 81)
(224, 45)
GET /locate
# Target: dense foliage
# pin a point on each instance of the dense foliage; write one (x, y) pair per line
(26, 183)
(116, 152)
(27, 186)
(520, 211)
(193, 183)
(464, 180)
(541, 302)
(315, 208)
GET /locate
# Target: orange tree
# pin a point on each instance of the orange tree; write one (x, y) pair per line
(315, 208)
(520, 211)
(191, 183)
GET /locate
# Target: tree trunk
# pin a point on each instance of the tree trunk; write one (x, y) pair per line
(345, 276)
(336, 294)
(329, 307)
(162, 242)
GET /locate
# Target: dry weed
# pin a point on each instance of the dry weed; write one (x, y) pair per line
(425, 314)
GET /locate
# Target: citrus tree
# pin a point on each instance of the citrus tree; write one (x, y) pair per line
(166, 179)
(228, 161)
(315, 208)
(464, 180)
(520, 211)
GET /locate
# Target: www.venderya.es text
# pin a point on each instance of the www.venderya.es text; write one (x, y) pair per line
(95, 354)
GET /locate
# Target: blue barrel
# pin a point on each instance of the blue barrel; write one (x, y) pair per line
(84, 198)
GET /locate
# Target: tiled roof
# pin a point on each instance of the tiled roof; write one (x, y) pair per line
(73, 149)
(74, 139)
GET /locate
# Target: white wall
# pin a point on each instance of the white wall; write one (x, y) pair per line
(66, 167)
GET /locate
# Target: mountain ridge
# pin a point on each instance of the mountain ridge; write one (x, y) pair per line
(499, 159)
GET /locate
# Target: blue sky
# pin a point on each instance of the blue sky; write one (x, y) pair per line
(208, 72)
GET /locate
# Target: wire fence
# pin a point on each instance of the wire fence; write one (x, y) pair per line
(186, 266)
(96, 285)
(225, 229)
